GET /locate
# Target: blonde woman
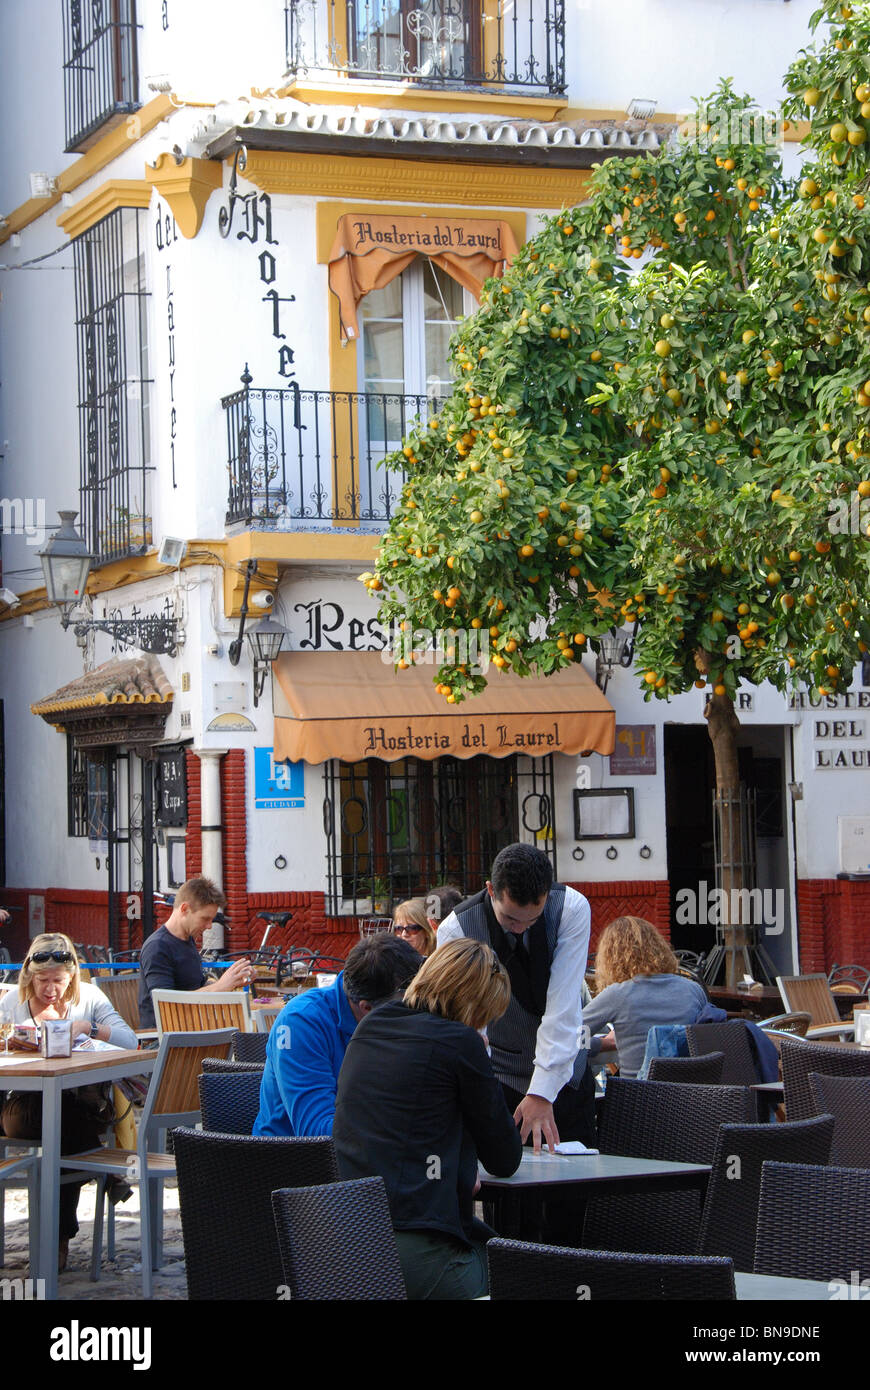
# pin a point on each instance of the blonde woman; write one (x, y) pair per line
(411, 922)
(418, 1103)
(50, 986)
(638, 987)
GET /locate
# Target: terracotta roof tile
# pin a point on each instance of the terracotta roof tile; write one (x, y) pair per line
(133, 680)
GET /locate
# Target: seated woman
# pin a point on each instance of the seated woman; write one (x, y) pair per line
(638, 987)
(49, 986)
(418, 1103)
(411, 922)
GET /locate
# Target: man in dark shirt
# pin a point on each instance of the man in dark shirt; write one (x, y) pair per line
(170, 957)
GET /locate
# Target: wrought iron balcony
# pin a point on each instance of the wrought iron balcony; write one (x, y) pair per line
(100, 71)
(297, 457)
(517, 46)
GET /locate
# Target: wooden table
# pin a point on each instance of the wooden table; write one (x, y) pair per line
(51, 1076)
(765, 1003)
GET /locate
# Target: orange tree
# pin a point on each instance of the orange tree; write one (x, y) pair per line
(685, 448)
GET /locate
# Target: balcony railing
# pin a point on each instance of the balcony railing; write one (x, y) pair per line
(100, 71)
(297, 457)
(517, 46)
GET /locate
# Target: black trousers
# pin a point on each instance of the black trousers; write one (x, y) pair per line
(79, 1130)
(556, 1219)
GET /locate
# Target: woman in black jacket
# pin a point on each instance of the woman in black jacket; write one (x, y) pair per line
(418, 1103)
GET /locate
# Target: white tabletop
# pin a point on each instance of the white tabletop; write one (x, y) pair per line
(544, 1169)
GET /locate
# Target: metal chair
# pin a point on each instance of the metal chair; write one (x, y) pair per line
(731, 1207)
(265, 1016)
(230, 1101)
(181, 1011)
(796, 1024)
(250, 1047)
(812, 994)
(848, 979)
(520, 1271)
(799, 1057)
(665, 1120)
(847, 1098)
(225, 1186)
(173, 1099)
(337, 1242)
(21, 1170)
(812, 1223)
(701, 1071)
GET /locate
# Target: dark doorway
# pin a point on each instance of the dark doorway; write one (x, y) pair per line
(689, 780)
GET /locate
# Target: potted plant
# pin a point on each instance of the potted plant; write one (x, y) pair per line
(380, 895)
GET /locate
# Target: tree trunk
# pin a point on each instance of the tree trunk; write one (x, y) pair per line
(722, 726)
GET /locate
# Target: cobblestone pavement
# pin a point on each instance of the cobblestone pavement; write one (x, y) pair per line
(120, 1278)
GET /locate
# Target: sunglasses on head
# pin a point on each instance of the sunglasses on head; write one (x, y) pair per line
(40, 957)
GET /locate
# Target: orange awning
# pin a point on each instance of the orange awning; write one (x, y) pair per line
(353, 705)
(369, 252)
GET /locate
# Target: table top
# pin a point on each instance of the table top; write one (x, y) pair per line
(32, 1064)
(544, 1169)
(762, 1287)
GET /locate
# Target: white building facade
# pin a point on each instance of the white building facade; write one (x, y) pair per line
(186, 188)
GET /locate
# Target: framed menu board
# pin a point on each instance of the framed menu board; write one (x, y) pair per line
(171, 807)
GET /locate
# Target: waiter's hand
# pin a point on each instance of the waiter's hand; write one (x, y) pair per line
(534, 1115)
(4, 915)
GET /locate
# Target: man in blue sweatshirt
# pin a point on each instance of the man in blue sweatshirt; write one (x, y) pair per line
(309, 1037)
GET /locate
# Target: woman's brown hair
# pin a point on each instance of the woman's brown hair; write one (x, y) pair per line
(631, 946)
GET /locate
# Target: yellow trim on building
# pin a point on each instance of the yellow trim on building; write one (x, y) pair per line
(111, 195)
(186, 187)
(107, 148)
(421, 181)
(390, 96)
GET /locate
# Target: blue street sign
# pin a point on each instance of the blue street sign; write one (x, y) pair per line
(277, 786)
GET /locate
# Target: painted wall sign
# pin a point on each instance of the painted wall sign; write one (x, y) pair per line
(277, 786)
(634, 754)
(326, 627)
(171, 787)
(231, 724)
(850, 699)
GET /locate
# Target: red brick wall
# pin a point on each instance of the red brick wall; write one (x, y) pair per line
(235, 856)
(649, 898)
(193, 846)
(833, 923)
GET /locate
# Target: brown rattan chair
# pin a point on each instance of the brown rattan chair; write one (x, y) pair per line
(812, 1224)
(796, 1024)
(181, 1011)
(812, 994)
(700, 1071)
(337, 1241)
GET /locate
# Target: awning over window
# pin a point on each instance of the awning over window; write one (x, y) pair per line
(353, 705)
(369, 252)
(125, 701)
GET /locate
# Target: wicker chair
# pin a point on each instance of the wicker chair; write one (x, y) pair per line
(812, 1222)
(525, 1272)
(800, 1057)
(217, 1064)
(731, 1208)
(225, 1185)
(847, 1098)
(665, 1120)
(730, 1038)
(229, 1102)
(796, 1024)
(701, 1071)
(250, 1047)
(337, 1242)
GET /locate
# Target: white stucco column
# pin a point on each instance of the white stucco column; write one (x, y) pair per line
(212, 831)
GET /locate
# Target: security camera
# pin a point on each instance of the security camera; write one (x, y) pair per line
(7, 597)
(264, 599)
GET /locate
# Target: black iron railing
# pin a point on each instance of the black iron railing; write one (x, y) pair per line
(510, 44)
(113, 386)
(309, 456)
(395, 829)
(100, 68)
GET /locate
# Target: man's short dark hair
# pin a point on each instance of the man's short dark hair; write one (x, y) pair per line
(443, 900)
(379, 966)
(523, 872)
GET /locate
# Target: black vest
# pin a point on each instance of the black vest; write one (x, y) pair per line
(512, 1037)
